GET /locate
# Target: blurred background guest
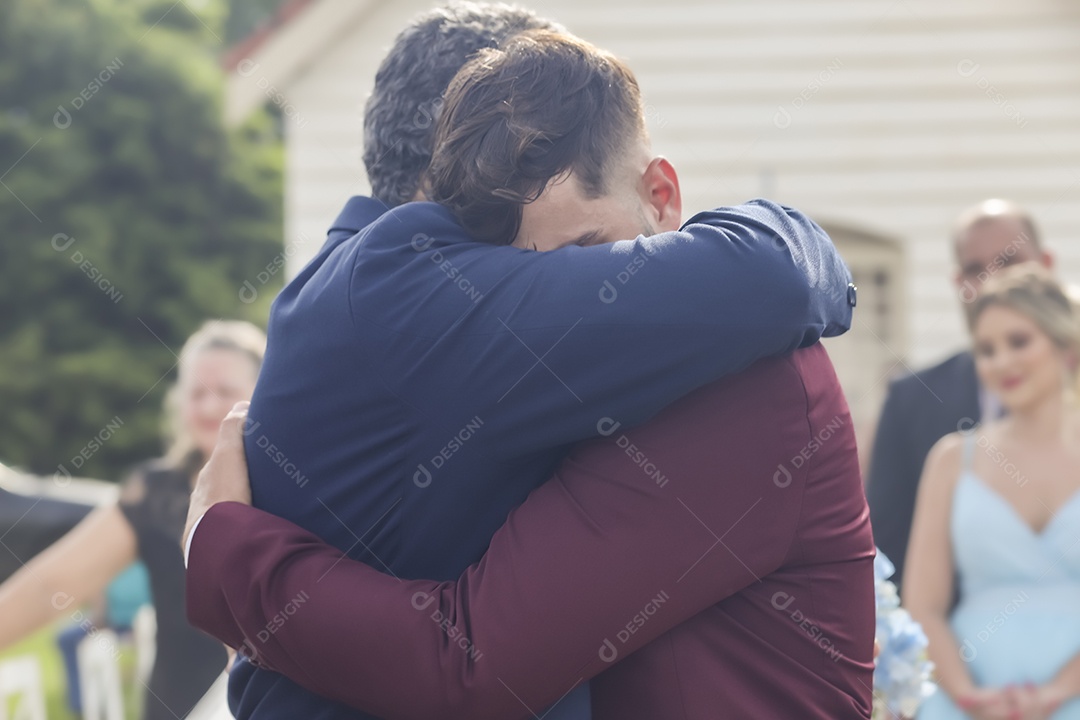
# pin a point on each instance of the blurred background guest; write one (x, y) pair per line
(923, 407)
(218, 367)
(999, 508)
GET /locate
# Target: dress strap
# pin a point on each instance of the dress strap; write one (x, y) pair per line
(969, 452)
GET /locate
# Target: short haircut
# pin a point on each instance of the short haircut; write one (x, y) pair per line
(542, 105)
(995, 210)
(400, 116)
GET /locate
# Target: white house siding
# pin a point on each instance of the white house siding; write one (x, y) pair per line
(878, 116)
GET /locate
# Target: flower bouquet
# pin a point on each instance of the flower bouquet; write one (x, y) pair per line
(902, 675)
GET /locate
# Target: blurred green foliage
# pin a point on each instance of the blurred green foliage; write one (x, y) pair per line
(246, 15)
(130, 215)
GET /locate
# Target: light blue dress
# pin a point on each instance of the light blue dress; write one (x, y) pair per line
(1019, 614)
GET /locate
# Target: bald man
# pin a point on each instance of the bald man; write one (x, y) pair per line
(923, 407)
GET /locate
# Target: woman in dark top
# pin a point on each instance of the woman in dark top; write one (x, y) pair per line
(218, 367)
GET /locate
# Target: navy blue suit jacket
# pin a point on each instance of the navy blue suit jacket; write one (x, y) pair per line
(418, 385)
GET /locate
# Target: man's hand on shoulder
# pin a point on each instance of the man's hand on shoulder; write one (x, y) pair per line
(224, 478)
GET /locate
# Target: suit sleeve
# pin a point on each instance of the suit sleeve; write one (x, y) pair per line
(564, 589)
(617, 330)
(893, 480)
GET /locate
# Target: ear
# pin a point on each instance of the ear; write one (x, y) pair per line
(1047, 260)
(660, 191)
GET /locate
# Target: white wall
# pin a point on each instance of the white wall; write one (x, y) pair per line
(866, 113)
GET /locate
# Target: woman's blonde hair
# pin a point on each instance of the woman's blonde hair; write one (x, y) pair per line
(1032, 291)
(232, 335)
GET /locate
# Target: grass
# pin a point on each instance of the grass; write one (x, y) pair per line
(43, 646)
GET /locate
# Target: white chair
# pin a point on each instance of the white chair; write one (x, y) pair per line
(144, 636)
(99, 676)
(20, 678)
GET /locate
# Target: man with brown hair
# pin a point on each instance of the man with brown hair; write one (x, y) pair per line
(601, 559)
(549, 115)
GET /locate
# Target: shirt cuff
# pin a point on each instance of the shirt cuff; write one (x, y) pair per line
(187, 546)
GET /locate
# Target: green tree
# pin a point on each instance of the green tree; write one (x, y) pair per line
(131, 215)
(245, 16)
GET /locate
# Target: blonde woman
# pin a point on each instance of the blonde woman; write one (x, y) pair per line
(218, 367)
(999, 512)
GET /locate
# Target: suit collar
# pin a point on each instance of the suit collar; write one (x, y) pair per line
(359, 212)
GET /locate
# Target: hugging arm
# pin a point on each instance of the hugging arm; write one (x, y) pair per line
(623, 328)
(550, 603)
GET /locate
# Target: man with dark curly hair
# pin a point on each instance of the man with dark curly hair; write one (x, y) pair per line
(400, 115)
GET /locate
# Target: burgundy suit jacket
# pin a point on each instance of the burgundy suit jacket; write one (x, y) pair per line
(715, 562)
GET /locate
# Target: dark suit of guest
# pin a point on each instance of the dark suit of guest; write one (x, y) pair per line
(919, 410)
(716, 562)
(418, 385)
